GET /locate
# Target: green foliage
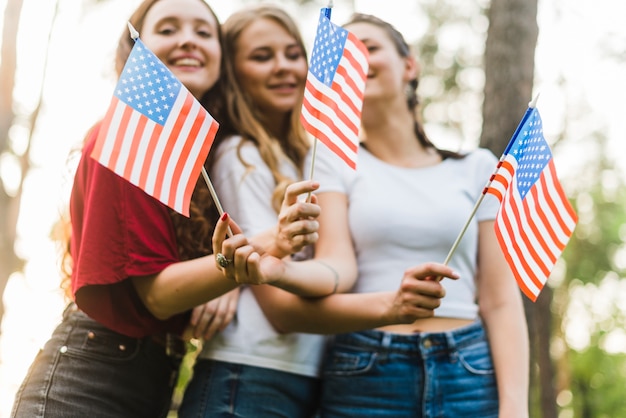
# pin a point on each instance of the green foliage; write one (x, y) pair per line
(595, 273)
(450, 52)
(598, 382)
(599, 235)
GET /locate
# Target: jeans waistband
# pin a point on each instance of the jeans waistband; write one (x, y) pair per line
(174, 345)
(423, 342)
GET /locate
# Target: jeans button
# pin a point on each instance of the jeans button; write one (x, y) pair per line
(427, 343)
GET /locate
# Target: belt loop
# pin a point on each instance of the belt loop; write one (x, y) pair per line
(386, 340)
(450, 340)
(71, 307)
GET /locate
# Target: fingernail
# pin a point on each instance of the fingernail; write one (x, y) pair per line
(224, 216)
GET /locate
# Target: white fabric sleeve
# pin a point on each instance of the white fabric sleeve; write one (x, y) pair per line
(244, 192)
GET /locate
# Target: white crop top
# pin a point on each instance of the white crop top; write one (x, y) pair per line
(400, 217)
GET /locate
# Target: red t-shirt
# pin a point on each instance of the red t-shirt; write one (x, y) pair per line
(118, 231)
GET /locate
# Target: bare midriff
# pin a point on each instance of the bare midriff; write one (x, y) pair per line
(428, 325)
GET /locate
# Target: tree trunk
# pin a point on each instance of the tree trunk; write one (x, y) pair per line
(509, 74)
(9, 204)
(509, 69)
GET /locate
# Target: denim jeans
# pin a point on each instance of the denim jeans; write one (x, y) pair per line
(378, 374)
(220, 389)
(86, 370)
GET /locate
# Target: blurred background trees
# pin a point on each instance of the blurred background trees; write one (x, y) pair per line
(479, 71)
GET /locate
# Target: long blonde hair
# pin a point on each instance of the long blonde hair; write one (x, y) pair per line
(243, 118)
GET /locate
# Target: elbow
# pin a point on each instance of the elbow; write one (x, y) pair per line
(158, 309)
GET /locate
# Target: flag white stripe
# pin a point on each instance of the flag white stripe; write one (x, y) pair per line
(181, 140)
(124, 150)
(336, 98)
(163, 139)
(522, 252)
(349, 94)
(109, 142)
(142, 151)
(531, 216)
(360, 60)
(193, 157)
(329, 132)
(519, 265)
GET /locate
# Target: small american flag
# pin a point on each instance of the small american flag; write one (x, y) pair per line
(155, 133)
(333, 97)
(535, 219)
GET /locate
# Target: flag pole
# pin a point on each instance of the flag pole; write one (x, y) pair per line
(327, 13)
(134, 34)
(207, 180)
(532, 105)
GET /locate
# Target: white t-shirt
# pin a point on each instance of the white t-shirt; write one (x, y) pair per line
(400, 217)
(250, 339)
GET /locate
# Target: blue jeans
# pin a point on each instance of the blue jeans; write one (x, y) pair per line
(221, 389)
(87, 370)
(378, 374)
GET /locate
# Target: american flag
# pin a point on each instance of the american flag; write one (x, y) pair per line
(535, 219)
(333, 97)
(155, 133)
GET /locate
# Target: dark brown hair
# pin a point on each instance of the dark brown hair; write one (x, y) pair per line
(404, 50)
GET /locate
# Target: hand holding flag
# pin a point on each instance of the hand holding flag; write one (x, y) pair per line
(155, 133)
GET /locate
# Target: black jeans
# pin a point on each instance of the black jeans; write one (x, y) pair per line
(86, 370)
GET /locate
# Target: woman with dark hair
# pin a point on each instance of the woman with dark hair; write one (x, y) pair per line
(138, 267)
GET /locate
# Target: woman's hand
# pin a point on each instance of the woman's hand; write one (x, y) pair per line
(420, 293)
(297, 225)
(238, 259)
(214, 316)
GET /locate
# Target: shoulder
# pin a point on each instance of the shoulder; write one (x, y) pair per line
(479, 159)
(236, 146)
(482, 155)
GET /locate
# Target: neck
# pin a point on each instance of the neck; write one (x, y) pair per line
(389, 135)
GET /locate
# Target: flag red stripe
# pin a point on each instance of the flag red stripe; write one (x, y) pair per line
(206, 147)
(173, 137)
(104, 130)
(560, 194)
(520, 246)
(185, 153)
(133, 155)
(518, 278)
(328, 106)
(150, 156)
(537, 234)
(543, 210)
(119, 140)
(323, 117)
(349, 83)
(357, 54)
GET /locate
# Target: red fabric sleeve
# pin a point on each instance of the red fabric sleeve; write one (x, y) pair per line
(118, 231)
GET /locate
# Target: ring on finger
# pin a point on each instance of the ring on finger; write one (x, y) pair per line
(222, 261)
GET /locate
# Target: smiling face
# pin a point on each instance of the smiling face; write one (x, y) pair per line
(389, 72)
(270, 66)
(184, 35)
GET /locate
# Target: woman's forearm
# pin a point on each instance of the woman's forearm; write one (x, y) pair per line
(182, 286)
